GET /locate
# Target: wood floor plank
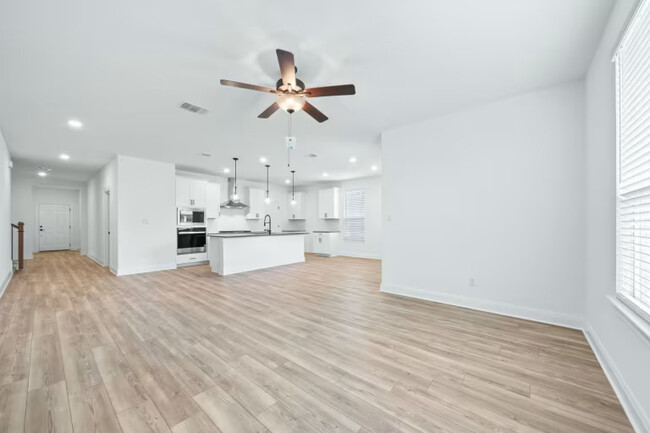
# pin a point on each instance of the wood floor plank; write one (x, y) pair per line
(46, 365)
(92, 411)
(142, 418)
(13, 401)
(312, 347)
(48, 410)
(122, 385)
(197, 423)
(226, 413)
(310, 409)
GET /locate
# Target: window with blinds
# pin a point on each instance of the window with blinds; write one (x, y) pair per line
(354, 215)
(632, 61)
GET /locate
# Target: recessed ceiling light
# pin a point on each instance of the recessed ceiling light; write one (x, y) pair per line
(226, 170)
(374, 168)
(263, 159)
(42, 173)
(353, 159)
(287, 181)
(64, 157)
(325, 174)
(75, 124)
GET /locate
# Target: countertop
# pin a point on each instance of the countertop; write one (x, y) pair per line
(253, 234)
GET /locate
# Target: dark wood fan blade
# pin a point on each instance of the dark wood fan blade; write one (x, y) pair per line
(247, 86)
(267, 113)
(344, 89)
(287, 67)
(314, 112)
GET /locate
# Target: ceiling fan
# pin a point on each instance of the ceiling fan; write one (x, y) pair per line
(291, 91)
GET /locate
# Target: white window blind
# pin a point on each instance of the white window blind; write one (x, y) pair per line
(354, 215)
(632, 60)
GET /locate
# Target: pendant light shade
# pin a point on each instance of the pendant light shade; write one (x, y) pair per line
(293, 187)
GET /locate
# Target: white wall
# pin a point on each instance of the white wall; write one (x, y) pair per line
(625, 354)
(371, 247)
(146, 215)
(104, 180)
(494, 193)
(5, 215)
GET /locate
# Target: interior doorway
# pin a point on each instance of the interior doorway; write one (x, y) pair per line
(54, 227)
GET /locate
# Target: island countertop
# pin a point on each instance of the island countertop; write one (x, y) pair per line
(253, 234)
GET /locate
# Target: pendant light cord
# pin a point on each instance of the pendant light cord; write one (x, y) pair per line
(267, 180)
(235, 188)
(288, 147)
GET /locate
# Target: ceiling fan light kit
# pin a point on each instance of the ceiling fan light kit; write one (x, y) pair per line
(292, 92)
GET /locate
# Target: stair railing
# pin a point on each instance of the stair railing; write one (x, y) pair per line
(21, 243)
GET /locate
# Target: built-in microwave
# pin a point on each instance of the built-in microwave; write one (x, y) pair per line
(188, 216)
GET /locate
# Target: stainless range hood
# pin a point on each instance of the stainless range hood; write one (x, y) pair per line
(232, 204)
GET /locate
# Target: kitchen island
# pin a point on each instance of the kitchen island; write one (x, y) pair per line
(231, 253)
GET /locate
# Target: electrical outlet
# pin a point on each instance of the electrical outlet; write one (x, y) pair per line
(472, 282)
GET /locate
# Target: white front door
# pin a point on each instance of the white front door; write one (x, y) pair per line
(54, 227)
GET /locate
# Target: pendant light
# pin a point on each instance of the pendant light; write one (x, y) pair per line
(293, 187)
(235, 196)
(233, 201)
(267, 200)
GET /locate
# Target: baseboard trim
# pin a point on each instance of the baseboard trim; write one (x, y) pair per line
(94, 259)
(7, 280)
(634, 411)
(502, 308)
(361, 255)
(145, 269)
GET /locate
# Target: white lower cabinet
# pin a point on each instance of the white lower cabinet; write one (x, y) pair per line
(326, 244)
(190, 259)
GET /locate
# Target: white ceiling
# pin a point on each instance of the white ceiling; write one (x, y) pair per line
(123, 67)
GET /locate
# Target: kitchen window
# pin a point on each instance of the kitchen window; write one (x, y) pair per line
(354, 215)
(632, 63)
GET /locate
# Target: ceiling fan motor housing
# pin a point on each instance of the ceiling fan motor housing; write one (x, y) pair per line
(279, 85)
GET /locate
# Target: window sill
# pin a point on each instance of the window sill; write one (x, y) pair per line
(638, 322)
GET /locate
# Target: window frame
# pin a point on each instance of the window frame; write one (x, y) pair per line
(344, 233)
(634, 306)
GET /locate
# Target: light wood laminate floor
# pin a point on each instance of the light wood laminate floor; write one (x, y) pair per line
(313, 347)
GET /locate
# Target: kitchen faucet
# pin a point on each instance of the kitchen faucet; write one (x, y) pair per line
(269, 229)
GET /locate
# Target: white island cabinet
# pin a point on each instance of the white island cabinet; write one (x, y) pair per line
(243, 252)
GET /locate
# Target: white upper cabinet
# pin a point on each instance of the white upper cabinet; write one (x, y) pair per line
(190, 192)
(296, 211)
(197, 193)
(213, 199)
(256, 203)
(182, 191)
(328, 203)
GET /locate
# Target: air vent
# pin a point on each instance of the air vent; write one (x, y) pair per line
(311, 155)
(193, 108)
(206, 154)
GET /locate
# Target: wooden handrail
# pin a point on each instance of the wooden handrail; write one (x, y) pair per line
(21, 243)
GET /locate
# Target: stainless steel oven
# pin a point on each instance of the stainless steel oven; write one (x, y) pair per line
(190, 216)
(190, 240)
